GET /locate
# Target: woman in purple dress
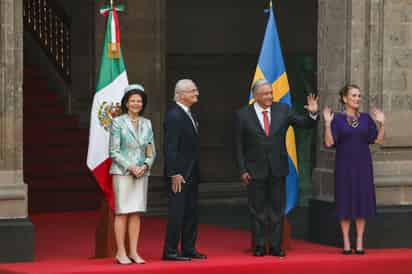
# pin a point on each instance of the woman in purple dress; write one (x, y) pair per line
(351, 133)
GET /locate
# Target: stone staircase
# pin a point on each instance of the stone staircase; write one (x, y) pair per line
(54, 152)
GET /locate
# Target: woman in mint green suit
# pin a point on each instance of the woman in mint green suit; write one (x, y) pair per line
(132, 151)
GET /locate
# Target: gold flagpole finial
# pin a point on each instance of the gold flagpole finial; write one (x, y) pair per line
(270, 4)
(111, 3)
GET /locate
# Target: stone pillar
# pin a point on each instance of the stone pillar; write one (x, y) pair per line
(368, 43)
(16, 231)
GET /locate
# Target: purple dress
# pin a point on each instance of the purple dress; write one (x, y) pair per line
(354, 186)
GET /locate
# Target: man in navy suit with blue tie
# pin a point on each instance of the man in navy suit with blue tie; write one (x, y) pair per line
(181, 153)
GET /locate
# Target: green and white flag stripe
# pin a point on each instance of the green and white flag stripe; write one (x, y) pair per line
(112, 80)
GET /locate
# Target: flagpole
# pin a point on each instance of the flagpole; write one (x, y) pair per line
(112, 79)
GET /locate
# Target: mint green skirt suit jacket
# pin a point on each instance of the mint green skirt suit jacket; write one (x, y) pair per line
(130, 146)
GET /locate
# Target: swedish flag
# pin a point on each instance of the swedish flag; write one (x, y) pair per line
(272, 68)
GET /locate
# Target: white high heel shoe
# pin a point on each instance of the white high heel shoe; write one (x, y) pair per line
(137, 259)
(123, 260)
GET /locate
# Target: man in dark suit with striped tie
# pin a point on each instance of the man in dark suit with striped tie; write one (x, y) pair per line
(181, 153)
(262, 159)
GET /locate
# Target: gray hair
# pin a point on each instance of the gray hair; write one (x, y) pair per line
(258, 83)
(180, 87)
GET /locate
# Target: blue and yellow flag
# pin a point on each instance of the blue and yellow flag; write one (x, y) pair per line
(272, 68)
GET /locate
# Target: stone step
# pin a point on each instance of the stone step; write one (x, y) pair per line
(51, 109)
(391, 154)
(393, 181)
(61, 182)
(41, 98)
(393, 168)
(55, 151)
(51, 122)
(61, 138)
(61, 200)
(393, 190)
(46, 154)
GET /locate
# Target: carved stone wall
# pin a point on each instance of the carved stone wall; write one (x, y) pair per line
(369, 43)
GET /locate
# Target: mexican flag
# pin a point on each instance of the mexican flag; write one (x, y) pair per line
(112, 80)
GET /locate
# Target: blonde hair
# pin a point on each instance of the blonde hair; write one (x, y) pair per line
(345, 91)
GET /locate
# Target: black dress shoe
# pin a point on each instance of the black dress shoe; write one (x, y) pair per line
(195, 255)
(259, 252)
(278, 252)
(359, 251)
(175, 257)
(347, 252)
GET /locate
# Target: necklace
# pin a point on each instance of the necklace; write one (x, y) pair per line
(353, 121)
(133, 120)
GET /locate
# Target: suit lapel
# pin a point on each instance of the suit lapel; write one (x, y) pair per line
(275, 118)
(131, 128)
(187, 118)
(272, 119)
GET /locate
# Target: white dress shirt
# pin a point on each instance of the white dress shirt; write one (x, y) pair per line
(187, 110)
(259, 112)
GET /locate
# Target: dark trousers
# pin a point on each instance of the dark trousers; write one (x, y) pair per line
(182, 219)
(266, 200)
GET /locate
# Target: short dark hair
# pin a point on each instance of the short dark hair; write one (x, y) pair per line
(130, 93)
(345, 90)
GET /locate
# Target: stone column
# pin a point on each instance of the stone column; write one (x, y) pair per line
(368, 43)
(16, 231)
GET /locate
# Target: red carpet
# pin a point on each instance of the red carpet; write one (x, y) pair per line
(64, 244)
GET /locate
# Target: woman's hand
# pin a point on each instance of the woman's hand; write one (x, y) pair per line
(138, 171)
(378, 115)
(328, 116)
